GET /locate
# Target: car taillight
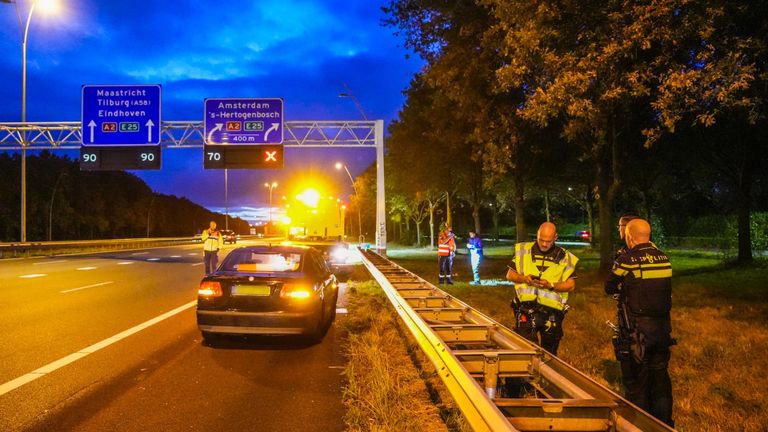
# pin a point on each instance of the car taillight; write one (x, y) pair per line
(209, 289)
(295, 291)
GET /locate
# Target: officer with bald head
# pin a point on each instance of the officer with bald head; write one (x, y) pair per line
(641, 279)
(543, 274)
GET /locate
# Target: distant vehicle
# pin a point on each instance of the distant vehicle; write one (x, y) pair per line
(198, 238)
(340, 258)
(583, 235)
(229, 236)
(273, 290)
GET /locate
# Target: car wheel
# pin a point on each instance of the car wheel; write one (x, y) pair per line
(316, 335)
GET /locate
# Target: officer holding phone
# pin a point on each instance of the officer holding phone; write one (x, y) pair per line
(212, 242)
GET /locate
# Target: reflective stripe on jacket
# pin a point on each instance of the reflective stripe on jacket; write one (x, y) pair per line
(554, 272)
(445, 245)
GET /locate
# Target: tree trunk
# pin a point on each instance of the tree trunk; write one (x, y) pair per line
(519, 203)
(590, 216)
(743, 213)
(495, 223)
(431, 226)
(476, 216)
(448, 217)
(546, 206)
(418, 233)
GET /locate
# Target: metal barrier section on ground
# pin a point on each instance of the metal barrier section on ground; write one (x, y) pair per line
(482, 363)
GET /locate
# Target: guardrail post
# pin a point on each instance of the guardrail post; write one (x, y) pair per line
(491, 374)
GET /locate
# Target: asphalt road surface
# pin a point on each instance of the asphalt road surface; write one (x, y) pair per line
(109, 341)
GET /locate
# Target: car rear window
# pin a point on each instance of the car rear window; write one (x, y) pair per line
(263, 262)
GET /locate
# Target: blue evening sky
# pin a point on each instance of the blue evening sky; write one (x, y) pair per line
(301, 50)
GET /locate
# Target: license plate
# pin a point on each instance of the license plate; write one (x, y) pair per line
(251, 290)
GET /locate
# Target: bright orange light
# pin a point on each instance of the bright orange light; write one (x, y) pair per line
(310, 197)
(209, 289)
(295, 291)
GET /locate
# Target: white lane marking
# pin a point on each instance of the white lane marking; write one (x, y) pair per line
(193, 254)
(49, 262)
(86, 287)
(33, 275)
(87, 268)
(175, 256)
(197, 264)
(140, 253)
(50, 367)
(341, 310)
(125, 263)
(153, 259)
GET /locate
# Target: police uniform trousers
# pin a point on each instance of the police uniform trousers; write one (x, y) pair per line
(446, 267)
(647, 382)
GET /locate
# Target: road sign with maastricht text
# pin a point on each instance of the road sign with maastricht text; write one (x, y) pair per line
(116, 115)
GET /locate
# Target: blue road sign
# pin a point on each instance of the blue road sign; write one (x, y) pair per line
(121, 114)
(243, 121)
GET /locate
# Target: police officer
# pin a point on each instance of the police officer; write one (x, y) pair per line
(642, 278)
(475, 247)
(623, 221)
(212, 242)
(543, 274)
(446, 249)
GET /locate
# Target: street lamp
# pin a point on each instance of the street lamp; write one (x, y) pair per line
(270, 186)
(47, 6)
(349, 94)
(361, 238)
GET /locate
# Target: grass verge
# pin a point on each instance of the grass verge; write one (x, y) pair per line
(390, 385)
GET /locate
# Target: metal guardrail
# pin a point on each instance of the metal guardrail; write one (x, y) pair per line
(473, 354)
(13, 250)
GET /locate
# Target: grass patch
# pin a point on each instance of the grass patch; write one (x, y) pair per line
(389, 385)
(718, 368)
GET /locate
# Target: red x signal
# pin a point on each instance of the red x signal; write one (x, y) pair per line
(270, 156)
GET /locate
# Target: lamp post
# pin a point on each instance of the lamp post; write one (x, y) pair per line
(350, 95)
(271, 186)
(360, 236)
(46, 5)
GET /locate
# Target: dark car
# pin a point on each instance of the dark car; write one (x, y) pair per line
(272, 290)
(229, 236)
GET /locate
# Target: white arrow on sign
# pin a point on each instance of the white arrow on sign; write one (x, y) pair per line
(273, 128)
(149, 126)
(92, 125)
(210, 134)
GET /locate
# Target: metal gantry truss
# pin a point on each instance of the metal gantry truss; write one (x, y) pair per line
(189, 134)
(68, 135)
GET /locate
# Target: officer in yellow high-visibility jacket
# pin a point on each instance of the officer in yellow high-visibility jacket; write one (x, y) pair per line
(543, 274)
(212, 242)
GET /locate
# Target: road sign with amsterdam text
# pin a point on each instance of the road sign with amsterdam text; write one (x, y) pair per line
(243, 121)
(116, 115)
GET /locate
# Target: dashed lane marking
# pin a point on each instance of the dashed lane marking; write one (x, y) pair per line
(33, 275)
(49, 262)
(86, 287)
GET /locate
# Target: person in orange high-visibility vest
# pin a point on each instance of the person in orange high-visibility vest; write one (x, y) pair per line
(446, 249)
